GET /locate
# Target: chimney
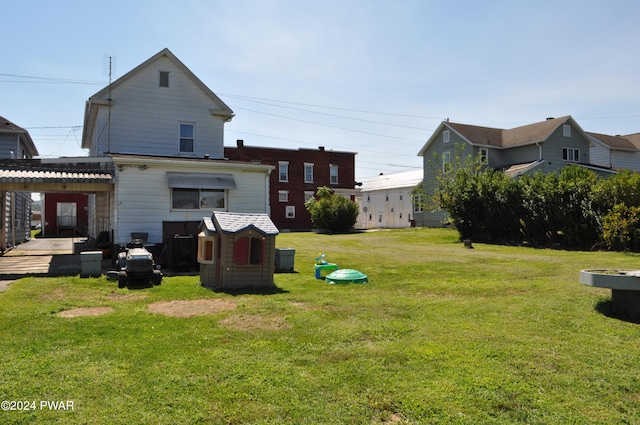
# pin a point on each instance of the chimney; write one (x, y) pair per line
(240, 143)
(321, 148)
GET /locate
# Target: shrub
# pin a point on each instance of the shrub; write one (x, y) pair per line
(621, 228)
(331, 212)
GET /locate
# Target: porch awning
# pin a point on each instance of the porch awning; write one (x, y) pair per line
(201, 180)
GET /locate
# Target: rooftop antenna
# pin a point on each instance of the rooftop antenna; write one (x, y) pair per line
(111, 65)
(109, 107)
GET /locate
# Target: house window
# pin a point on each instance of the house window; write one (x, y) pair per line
(566, 130)
(446, 161)
(290, 211)
(418, 203)
(212, 199)
(248, 251)
(283, 171)
(386, 197)
(446, 136)
(401, 196)
(484, 155)
(308, 172)
(164, 79)
(194, 199)
(186, 138)
(333, 174)
(283, 196)
(308, 195)
(571, 154)
(368, 198)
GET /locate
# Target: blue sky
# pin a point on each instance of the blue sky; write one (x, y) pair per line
(366, 76)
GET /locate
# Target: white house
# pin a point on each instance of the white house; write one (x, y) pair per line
(387, 202)
(163, 130)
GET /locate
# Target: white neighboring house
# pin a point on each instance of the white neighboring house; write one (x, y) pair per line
(163, 130)
(386, 202)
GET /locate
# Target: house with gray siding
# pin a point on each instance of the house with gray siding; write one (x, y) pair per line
(545, 146)
(616, 152)
(15, 206)
(163, 130)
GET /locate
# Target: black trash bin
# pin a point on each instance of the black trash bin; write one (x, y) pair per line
(183, 252)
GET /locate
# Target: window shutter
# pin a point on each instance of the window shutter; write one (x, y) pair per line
(241, 251)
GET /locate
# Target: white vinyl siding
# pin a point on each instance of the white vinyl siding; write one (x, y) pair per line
(145, 117)
(143, 198)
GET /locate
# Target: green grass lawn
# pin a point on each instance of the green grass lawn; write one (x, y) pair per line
(440, 334)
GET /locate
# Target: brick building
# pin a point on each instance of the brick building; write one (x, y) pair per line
(298, 174)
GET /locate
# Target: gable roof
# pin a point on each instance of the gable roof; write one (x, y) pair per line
(614, 142)
(7, 126)
(505, 138)
(405, 179)
(229, 222)
(102, 96)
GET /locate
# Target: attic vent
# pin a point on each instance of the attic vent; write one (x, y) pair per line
(164, 79)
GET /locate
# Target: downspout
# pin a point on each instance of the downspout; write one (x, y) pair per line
(267, 206)
(540, 150)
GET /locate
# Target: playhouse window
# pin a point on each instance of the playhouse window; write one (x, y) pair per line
(205, 249)
(247, 251)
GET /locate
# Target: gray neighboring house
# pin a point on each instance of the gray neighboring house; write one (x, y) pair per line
(546, 146)
(15, 222)
(615, 152)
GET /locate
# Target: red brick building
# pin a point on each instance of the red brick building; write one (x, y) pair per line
(298, 174)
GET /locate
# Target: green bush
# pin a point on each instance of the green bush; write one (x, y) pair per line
(621, 228)
(331, 212)
(540, 209)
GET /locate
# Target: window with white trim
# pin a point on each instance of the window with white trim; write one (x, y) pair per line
(290, 211)
(308, 172)
(566, 130)
(283, 171)
(333, 174)
(571, 154)
(446, 161)
(446, 136)
(187, 138)
(484, 155)
(283, 196)
(418, 203)
(308, 194)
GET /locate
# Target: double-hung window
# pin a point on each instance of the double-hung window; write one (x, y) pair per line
(308, 172)
(571, 154)
(283, 171)
(333, 174)
(446, 162)
(187, 138)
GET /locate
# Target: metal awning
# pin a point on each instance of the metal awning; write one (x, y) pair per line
(201, 180)
(35, 176)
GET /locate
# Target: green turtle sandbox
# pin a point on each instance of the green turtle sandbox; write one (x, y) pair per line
(347, 276)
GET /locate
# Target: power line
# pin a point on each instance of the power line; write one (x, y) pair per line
(49, 80)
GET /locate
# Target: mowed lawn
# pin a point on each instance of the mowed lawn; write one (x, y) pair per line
(440, 334)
